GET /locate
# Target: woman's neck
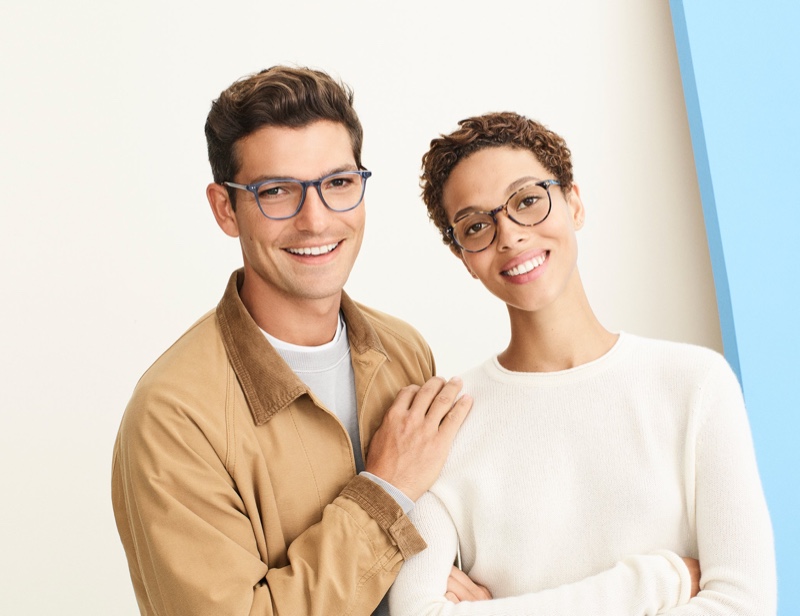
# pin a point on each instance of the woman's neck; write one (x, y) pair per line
(556, 338)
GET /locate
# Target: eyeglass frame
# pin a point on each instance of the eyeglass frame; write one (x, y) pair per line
(253, 189)
(546, 184)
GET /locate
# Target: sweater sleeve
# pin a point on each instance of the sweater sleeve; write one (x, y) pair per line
(640, 585)
(734, 533)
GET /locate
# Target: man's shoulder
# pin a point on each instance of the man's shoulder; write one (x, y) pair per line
(193, 350)
(186, 377)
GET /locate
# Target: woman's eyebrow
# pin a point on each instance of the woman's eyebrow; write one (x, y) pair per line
(521, 182)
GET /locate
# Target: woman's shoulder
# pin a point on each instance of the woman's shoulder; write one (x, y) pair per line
(673, 356)
(669, 348)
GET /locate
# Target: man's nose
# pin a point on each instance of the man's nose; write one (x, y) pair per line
(313, 215)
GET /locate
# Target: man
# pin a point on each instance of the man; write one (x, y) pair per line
(237, 478)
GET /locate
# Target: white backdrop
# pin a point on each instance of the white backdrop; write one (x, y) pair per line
(108, 249)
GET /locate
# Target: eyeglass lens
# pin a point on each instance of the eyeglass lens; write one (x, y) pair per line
(528, 206)
(282, 198)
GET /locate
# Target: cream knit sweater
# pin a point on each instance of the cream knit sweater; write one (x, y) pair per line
(576, 493)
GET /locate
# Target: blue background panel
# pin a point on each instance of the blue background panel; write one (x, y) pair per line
(740, 64)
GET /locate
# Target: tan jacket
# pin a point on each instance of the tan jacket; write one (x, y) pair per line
(234, 489)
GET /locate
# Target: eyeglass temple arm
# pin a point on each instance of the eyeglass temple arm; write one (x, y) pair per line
(235, 185)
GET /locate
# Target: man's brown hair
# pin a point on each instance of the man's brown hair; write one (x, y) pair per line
(278, 96)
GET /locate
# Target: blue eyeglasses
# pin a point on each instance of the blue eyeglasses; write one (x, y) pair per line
(282, 198)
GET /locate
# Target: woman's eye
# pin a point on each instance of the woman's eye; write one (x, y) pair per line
(476, 227)
(528, 201)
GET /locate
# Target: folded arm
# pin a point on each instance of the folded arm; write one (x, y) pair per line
(636, 586)
(732, 524)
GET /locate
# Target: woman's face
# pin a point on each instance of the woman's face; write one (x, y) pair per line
(529, 268)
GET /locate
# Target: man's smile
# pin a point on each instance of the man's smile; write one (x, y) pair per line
(313, 250)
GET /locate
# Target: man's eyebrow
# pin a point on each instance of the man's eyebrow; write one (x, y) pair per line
(338, 169)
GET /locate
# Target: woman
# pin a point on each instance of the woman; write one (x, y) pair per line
(591, 461)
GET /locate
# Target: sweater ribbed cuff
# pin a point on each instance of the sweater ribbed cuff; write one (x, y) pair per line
(686, 579)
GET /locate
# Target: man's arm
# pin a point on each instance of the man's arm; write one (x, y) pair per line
(189, 535)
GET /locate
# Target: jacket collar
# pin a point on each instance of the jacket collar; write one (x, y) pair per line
(268, 383)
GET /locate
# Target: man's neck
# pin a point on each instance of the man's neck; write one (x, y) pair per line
(304, 322)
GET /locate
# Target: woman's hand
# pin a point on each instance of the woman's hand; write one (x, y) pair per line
(461, 588)
(694, 570)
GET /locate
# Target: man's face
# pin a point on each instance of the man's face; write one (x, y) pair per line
(279, 266)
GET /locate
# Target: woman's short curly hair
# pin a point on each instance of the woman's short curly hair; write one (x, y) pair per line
(490, 130)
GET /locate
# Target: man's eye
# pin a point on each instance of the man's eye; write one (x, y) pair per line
(339, 182)
(268, 191)
(276, 191)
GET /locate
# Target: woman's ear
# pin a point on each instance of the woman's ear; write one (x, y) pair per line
(222, 208)
(576, 209)
(458, 253)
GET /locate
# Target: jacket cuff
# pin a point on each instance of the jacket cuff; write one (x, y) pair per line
(387, 513)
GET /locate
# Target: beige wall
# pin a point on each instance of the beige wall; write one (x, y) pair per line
(605, 76)
(109, 250)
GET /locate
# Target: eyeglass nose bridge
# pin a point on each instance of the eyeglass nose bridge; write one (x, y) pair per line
(504, 208)
(496, 212)
(317, 184)
(500, 208)
(493, 215)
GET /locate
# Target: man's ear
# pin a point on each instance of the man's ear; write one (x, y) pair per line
(576, 209)
(458, 253)
(222, 208)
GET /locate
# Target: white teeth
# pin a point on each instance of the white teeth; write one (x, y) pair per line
(527, 266)
(313, 250)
